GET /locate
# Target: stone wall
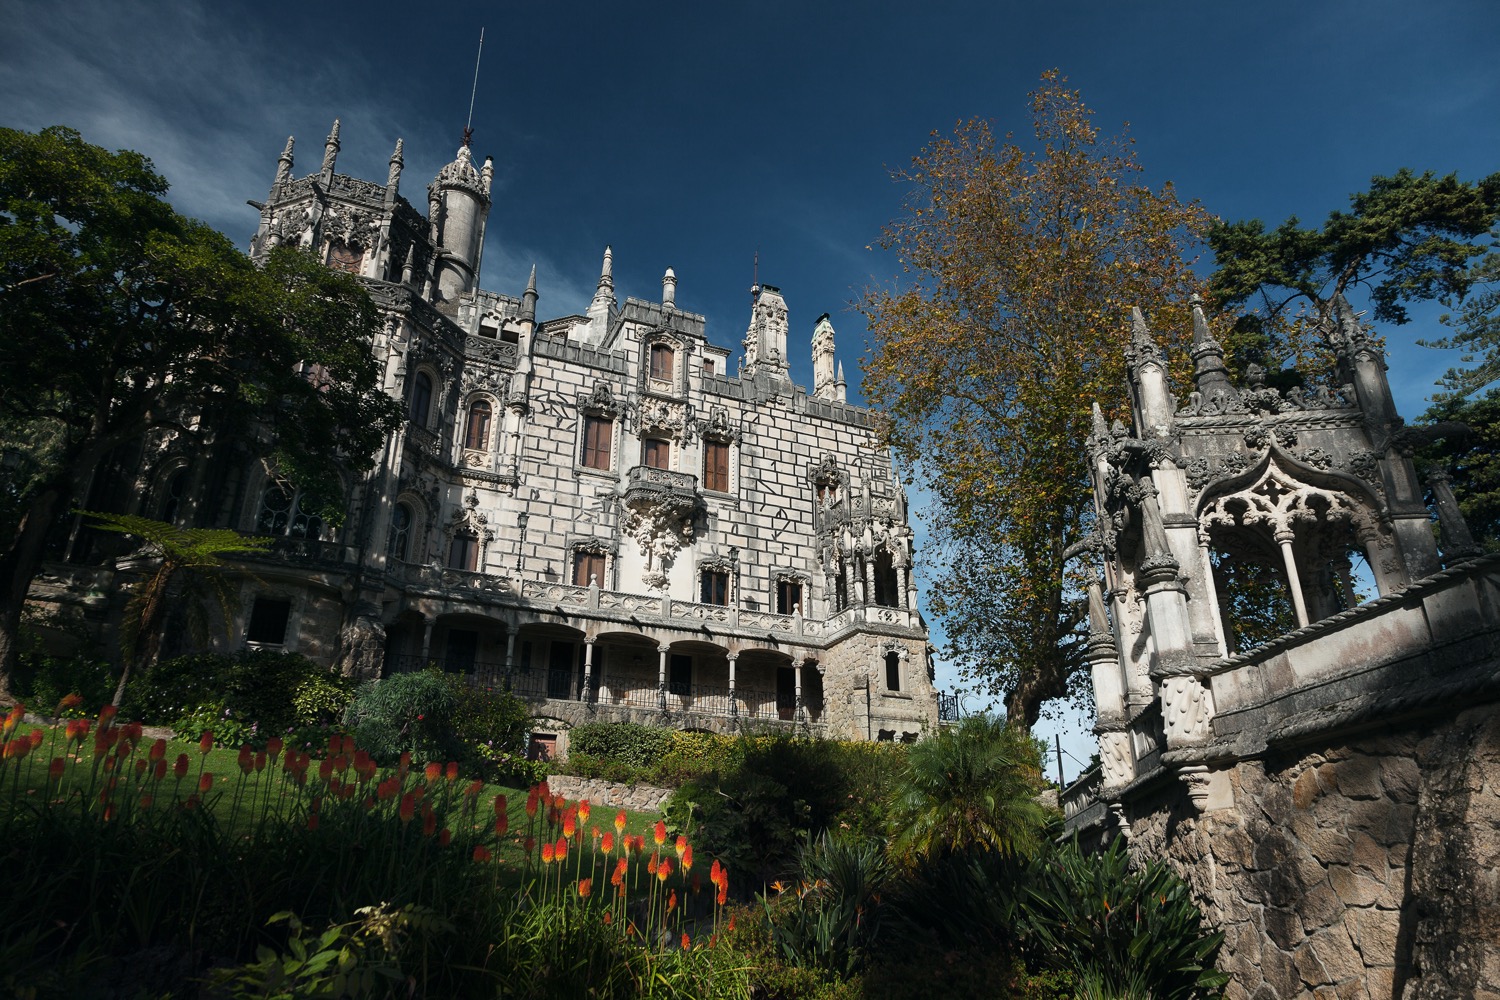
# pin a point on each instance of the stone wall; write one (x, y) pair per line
(609, 794)
(1363, 871)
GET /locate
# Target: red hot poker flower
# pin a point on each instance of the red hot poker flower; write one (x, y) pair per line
(206, 741)
(583, 810)
(659, 833)
(408, 807)
(205, 781)
(55, 769)
(620, 821)
(158, 750)
(482, 853)
(501, 807)
(502, 824)
(681, 845)
(451, 771)
(180, 768)
(585, 887)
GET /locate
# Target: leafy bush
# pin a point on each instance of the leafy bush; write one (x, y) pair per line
(1124, 933)
(321, 699)
(625, 742)
(259, 689)
(43, 682)
(406, 713)
(213, 717)
(496, 721)
(831, 917)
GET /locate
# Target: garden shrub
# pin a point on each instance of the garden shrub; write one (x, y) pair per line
(405, 713)
(627, 742)
(830, 917)
(1124, 931)
(250, 695)
(320, 700)
(43, 682)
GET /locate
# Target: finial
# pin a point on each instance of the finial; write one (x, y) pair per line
(468, 125)
(284, 164)
(528, 298)
(669, 289)
(1100, 428)
(1200, 321)
(396, 156)
(393, 177)
(487, 173)
(331, 148)
(410, 266)
(1142, 347)
(531, 281)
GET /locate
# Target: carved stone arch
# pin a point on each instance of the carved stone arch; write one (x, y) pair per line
(168, 481)
(470, 522)
(717, 426)
(1298, 483)
(600, 401)
(652, 381)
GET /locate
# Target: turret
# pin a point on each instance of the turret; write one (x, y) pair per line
(528, 299)
(1215, 393)
(765, 341)
(669, 290)
(825, 379)
(393, 175)
(460, 198)
(284, 163)
(604, 297)
(1148, 375)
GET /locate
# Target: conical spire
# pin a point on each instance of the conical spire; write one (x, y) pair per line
(529, 297)
(393, 177)
(1143, 348)
(604, 292)
(1216, 394)
(669, 289)
(1158, 561)
(410, 266)
(331, 148)
(284, 164)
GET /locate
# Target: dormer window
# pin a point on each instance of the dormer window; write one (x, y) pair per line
(708, 366)
(662, 359)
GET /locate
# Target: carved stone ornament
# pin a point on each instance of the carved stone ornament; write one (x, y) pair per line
(478, 378)
(1279, 501)
(600, 401)
(469, 519)
(658, 416)
(353, 226)
(1186, 708)
(1195, 777)
(661, 529)
(1116, 758)
(717, 426)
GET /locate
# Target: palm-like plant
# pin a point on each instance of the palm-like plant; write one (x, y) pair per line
(970, 786)
(194, 553)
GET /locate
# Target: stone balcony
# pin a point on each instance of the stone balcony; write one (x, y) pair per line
(661, 490)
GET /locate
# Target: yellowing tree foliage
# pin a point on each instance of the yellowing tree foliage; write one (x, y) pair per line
(1019, 267)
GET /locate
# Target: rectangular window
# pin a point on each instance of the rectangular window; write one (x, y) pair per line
(662, 358)
(708, 366)
(715, 586)
(656, 453)
(893, 671)
(788, 596)
(597, 440)
(716, 466)
(268, 621)
(463, 553)
(588, 566)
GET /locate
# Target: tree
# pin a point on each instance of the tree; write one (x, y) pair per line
(1410, 238)
(187, 559)
(120, 318)
(1471, 459)
(1476, 328)
(970, 787)
(1018, 270)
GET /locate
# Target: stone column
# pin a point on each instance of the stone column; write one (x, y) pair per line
(1212, 592)
(1115, 752)
(426, 641)
(510, 652)
(588, 669)
(734, 707)
(661, 677)
(797, 678)
(868, 596)
(1284, 538)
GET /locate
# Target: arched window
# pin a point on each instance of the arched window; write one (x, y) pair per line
(662, 358)
(287, 511)
(421, 399)
(887, 581)
(477, 433)
(399, 543)
(343, 257)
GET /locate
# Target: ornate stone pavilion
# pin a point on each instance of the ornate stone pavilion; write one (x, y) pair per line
(603, 512)
(1333, 795)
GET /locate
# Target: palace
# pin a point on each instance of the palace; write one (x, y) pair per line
(603, 512)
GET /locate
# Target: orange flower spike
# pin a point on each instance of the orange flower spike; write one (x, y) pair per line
(180, 768)
(482, 853)
(681, 846)
(583, 810)
(36, 738)
(546, 854)
(475, 787)
(106, 714)
(205, 781)
(158, 770)
(671, 900)
(544, 790)
(560, 850)
(502, 808)
(445, 837)
(408, 807)
(609, 918)
(607, 843)
(429, 821)
(70, 701)
(686, 941)
(433, 772)
(246, 759)
(206, 741)
(273, 746)
(140, 766)
(620, 821)
(652, 865)
(260, 762)
(569, 825)
(502, 824)
(55, 769)
(530, 845)
(158, 750)
(404, 765)
(325, 768)
(451, 771)
(659, 833)
(715, 870)
(585, 887)
(664, 869)
(531, 801)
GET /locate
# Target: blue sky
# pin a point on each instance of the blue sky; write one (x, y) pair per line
(693, 135)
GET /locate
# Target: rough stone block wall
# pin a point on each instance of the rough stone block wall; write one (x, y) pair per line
(1364, 871)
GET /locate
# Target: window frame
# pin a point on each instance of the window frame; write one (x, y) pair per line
(470, 550)
(602, 453)
(785, 588)
(715, 478)
(661, 362)
(265, 603)
(713, 581)
(893, 671)
(583, 560)
(656, 446)
(423, 387)
(481, 409)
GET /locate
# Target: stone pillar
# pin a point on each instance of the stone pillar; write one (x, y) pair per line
(1186, 704)
(734, 707)
(1211, 592)
(426, 641)
(661, 676)
(588, 669)
(1115, 752)
(510, 652)
(1458, 542)
(1284, 538)
(797, 679)
(868, 596)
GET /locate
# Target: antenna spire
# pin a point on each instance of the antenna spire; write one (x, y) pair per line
(469, 125)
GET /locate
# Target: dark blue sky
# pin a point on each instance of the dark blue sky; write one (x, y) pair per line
(692, 135)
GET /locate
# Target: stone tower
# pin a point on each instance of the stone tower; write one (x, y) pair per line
(458, 208)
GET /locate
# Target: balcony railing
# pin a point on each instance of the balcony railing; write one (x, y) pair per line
(565, 684)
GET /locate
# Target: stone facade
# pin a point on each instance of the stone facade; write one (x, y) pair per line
(1333, 796)
(593, 510)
